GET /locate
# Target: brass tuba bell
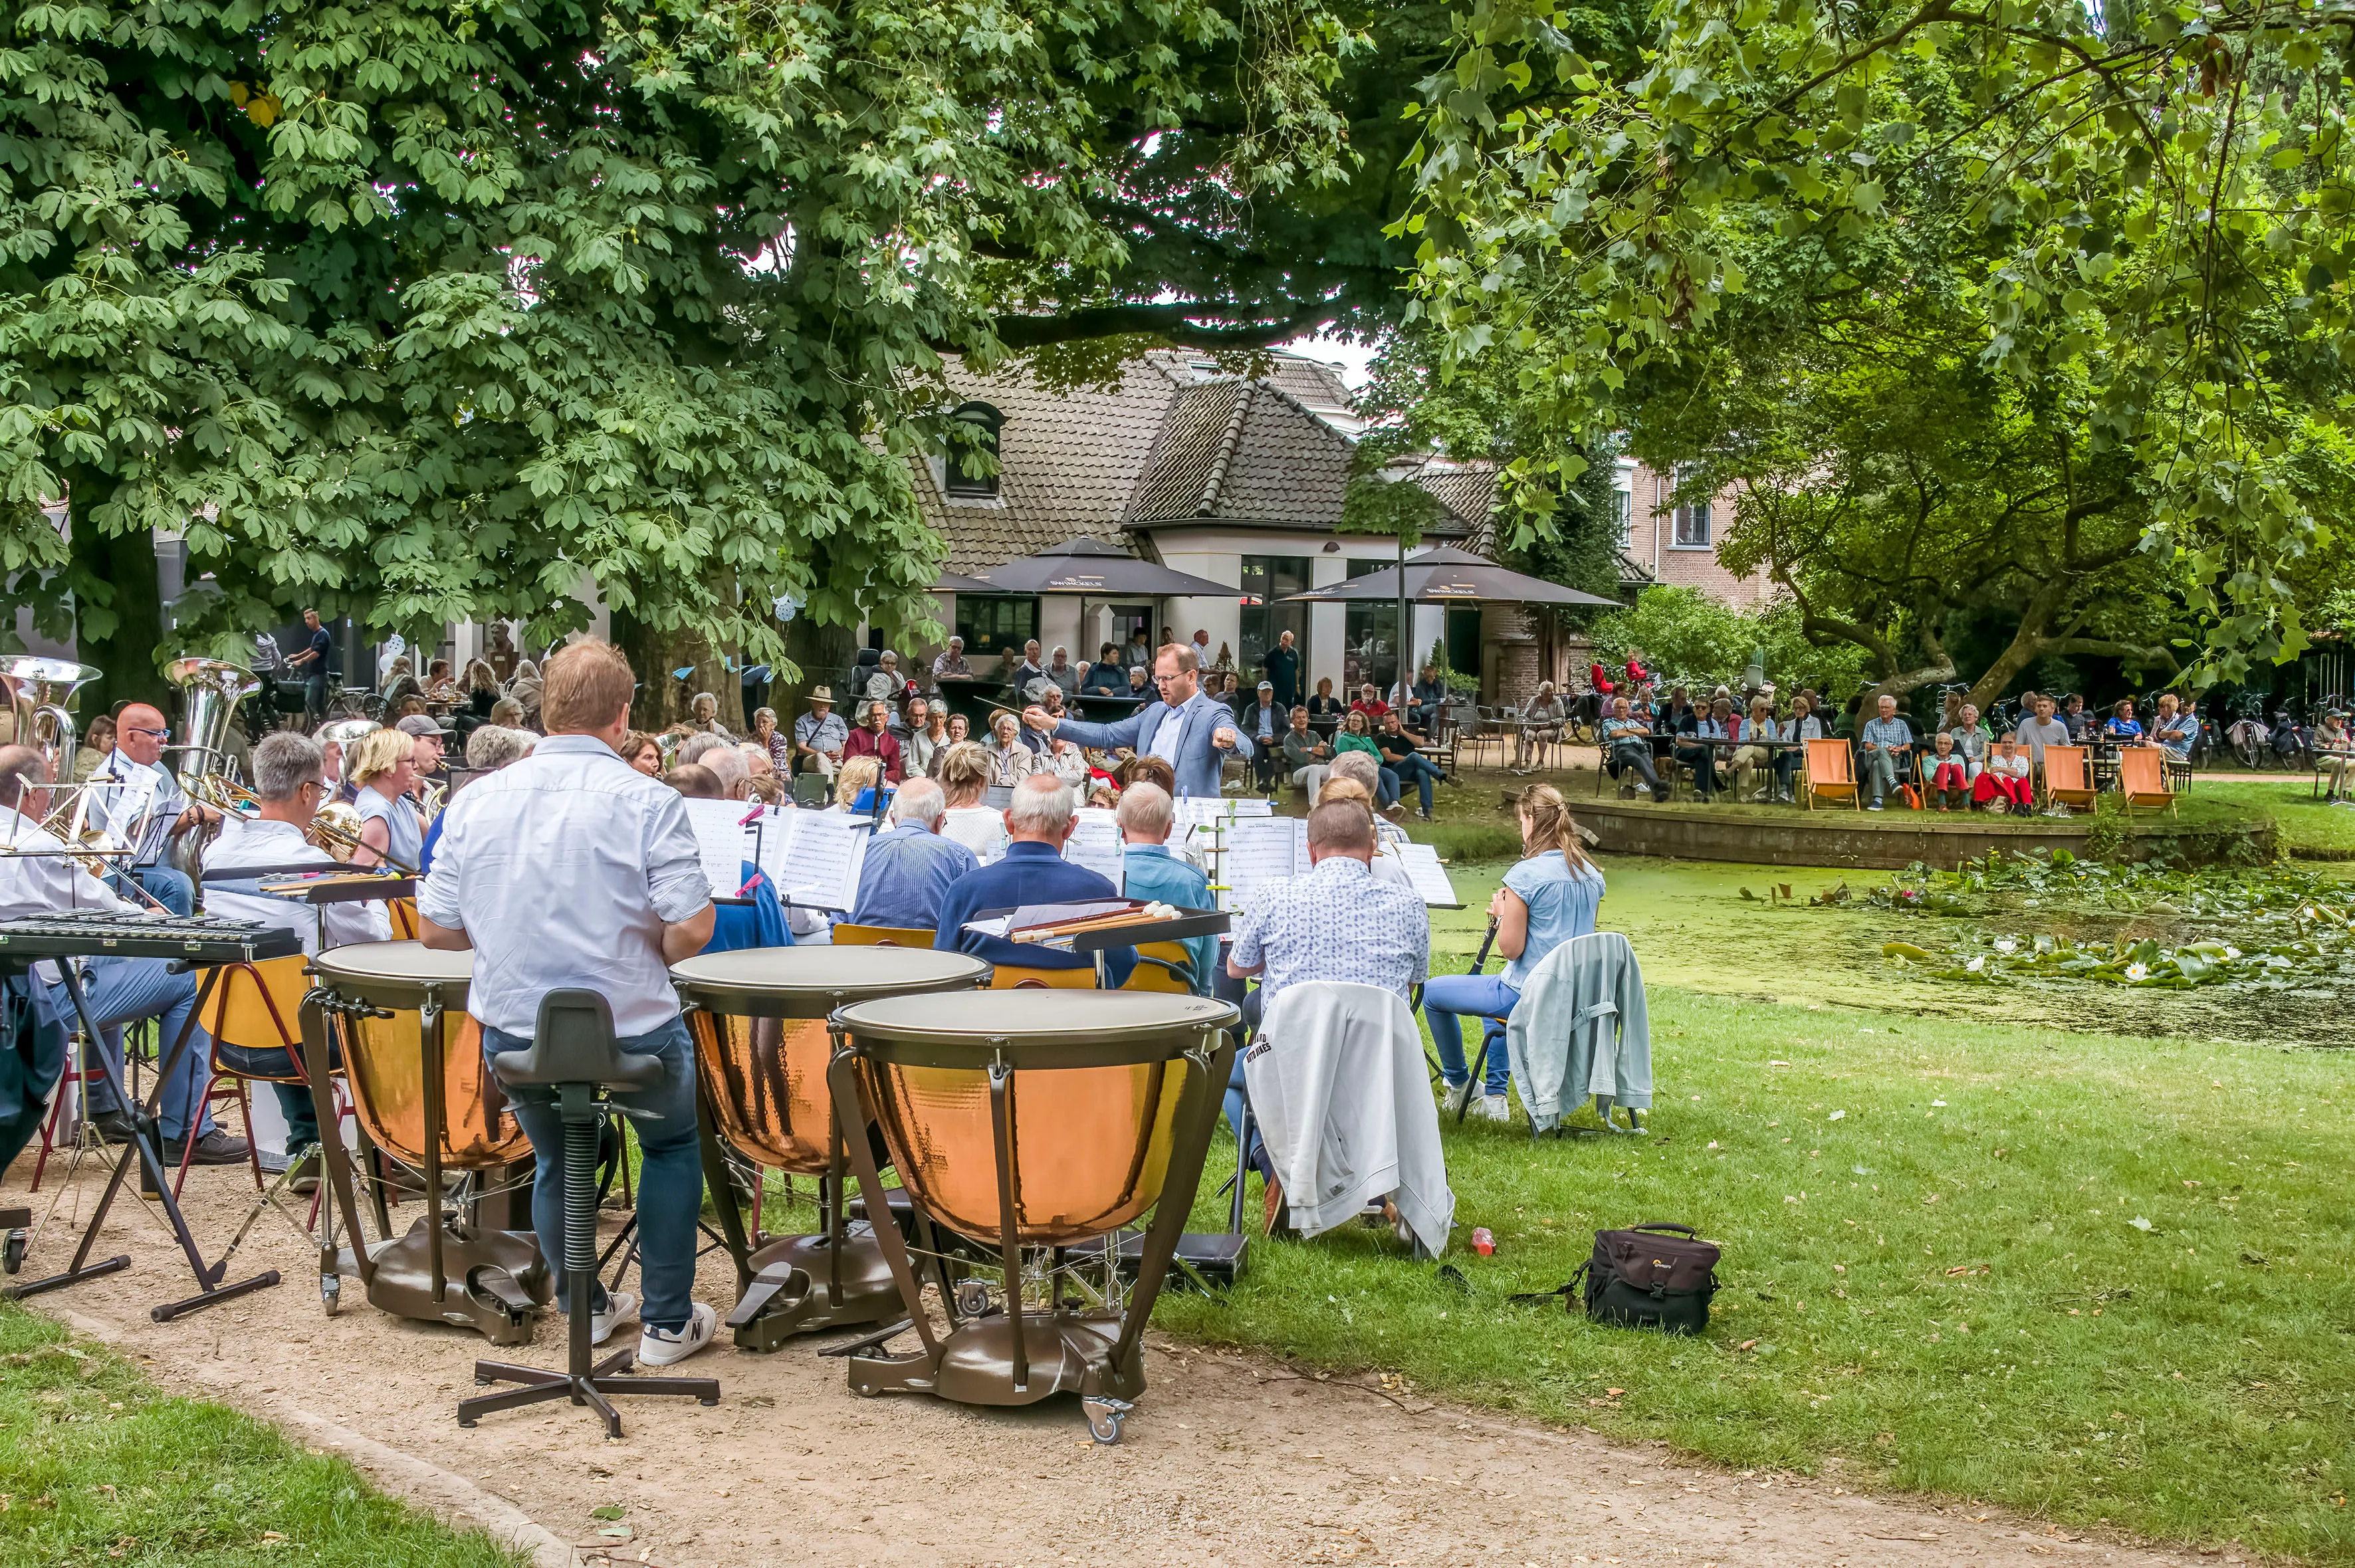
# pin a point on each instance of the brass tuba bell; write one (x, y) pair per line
(39, 689)
(210, 690)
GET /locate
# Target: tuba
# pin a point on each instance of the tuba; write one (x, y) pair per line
(336, 827)
(210, 690)
(39, 689)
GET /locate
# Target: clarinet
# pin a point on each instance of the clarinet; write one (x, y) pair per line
(1480, 959)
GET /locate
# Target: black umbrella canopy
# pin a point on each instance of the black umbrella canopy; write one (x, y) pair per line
(1099, 570)
(957, 582)
(1448, 576)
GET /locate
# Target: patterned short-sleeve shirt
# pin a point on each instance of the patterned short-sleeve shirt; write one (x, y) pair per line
(1336, 923)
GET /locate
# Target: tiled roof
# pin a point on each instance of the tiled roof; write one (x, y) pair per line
(1175, 439)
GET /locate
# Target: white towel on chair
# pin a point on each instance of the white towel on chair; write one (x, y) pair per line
(1336, 1083)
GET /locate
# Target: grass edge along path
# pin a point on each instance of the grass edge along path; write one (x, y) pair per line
(98, 1465)
(2099, 1279)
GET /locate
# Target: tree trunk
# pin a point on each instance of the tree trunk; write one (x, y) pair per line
(119, 605)
(664, 697)
(819, 654)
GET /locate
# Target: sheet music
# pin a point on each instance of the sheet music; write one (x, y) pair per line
(1095, 842)
(1199, 811)
(719, 834)
(1253, 806)
(1261, 850)
(1427, 875)
(818, 857)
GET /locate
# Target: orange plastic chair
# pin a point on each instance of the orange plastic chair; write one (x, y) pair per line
(848, 935)
(1831, 771)
(1162, 966)
(2142, 778)
(2068, 777)
(404, 919)
(1013, 977)
(256, 1008)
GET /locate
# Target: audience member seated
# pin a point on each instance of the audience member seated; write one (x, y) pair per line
(1265, 721)
(1885, 749)
(1698, 728)
(1325, 704)
(2174, 728)
(1971, 740)
(909, 866)
(2331, 760)
(819, 735)
(1010, 760)
(1627, 742)
(1334, 923)
(1752, 760)
(1105, 677)
(1802, 726)
(873, 738)
(1369, 703)
(1950, 776)
(1428, 700)
(1032, 871)
(1398, 749)
(1550, 896)
(2123, 726)
(1150, 872)
(1541, 725)
(1306, 754)
(2003, 786)
(1356, 737)
(965, 773)
(2076, 720)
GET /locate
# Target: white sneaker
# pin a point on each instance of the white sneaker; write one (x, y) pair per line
(1496, 1108)
(663, 1347)
(1452, 1098)
(620, 1307)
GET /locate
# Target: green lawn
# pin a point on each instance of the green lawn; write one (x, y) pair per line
(1950, 1297)
(97, 1466)
(2311, 829)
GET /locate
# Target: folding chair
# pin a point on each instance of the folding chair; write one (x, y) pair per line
(2142, 779)
(1831, 771)
(848, 935)
(2068, 777)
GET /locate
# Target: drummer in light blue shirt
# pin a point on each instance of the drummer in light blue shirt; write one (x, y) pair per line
(1550, 897)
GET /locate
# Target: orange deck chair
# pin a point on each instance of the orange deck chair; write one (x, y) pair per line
(2142, 778)
(2068, 777)
(1831, 771)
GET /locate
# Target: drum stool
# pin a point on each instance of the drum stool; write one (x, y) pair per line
(573, 1051)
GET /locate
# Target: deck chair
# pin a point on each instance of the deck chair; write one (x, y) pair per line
(2142, 779)
(2068, 777)
(849, 935)
(1831, 771)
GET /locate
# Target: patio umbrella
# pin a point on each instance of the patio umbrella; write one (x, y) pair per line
(1098, 570)
(1448, 576)
(957, 582)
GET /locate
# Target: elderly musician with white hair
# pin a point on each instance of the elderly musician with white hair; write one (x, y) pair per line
(1188, 728)
(286, 778)
(1032, 871)
(117, 990)
(910, 867)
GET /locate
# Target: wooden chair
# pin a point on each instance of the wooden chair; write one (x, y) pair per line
(1161, 967)
(1013, 977)
(2068, 777)
(849, 935)
(1831, 771)
(2142, 779)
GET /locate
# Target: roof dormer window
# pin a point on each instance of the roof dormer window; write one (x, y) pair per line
(962, 476)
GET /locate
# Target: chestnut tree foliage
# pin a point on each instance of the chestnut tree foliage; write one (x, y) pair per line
(420, 310)
(2040, 303)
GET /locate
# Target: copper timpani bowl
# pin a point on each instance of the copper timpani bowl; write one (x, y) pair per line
(758, 1017)
(384, 1058)
(1090, 1083)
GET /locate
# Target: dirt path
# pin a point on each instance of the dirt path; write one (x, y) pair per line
(1230, 1459)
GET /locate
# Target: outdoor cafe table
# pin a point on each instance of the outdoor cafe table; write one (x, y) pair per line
(1730, 745)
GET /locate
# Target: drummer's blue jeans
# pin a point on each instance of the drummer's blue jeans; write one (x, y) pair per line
(1449, 999)
(670, 1175)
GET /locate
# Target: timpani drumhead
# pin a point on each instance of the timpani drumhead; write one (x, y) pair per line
(811, 982)
(1036, 1018)
(396, 974)
(1093, 1103)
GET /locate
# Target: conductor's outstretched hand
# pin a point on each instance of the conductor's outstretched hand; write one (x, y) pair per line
(1038, 719)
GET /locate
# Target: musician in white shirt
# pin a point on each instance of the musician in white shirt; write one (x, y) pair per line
(135, 798)
(572, 869)
(117, 990)
(286, 776)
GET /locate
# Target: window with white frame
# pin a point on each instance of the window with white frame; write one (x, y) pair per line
(1690, 524)
(1623, 517)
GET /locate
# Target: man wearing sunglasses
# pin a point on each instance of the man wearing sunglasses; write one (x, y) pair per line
(134, 797)
(1188, 728)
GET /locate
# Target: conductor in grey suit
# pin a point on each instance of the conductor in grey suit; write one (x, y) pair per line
(1188, 728)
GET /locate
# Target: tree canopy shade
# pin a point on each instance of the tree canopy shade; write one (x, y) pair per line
(424, 313)
(2111, 241)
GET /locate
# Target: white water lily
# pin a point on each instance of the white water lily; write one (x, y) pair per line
(1976, 964)
(2231, 951)
(2137, 971)
(2006, 944)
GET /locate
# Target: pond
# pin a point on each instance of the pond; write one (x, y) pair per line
(1692, 928)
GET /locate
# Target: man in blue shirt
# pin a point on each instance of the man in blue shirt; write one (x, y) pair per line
(909, 871)
(1886, 746)
(1033, 872)
(1188, 728)
(1149, 872)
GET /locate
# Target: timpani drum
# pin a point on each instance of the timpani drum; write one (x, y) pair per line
(1049, 1122)
(392, 1016)
(758, 1017)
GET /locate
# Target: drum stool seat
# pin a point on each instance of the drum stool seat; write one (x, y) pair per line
(574, 1051)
